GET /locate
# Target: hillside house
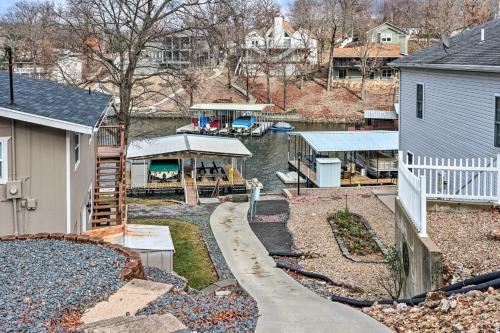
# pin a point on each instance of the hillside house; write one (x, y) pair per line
(280, 44)
(387, 43)
(47, 155)
(449, 141)
(178, 50)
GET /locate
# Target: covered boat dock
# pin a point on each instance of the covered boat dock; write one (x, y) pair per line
(187, 164)
(344, 158)
(381, 120)
(227, 119)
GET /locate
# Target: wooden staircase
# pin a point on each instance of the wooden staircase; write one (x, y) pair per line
(190, 192)
(109, 206)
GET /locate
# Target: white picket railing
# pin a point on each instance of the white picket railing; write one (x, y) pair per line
(412, 195)
(466, 180)
(469, 179)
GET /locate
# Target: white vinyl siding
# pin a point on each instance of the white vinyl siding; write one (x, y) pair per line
(4, 170)
(459, 114)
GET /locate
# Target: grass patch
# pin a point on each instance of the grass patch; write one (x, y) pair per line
(191, 258)
(354, 233)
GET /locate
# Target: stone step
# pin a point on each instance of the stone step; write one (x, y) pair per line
(165, 323)
(129, 299)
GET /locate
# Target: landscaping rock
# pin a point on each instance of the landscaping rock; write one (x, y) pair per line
(206, 313)
(42, 279)
(158, 275)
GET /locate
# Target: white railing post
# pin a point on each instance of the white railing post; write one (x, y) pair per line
(423, 207)
(498, 178)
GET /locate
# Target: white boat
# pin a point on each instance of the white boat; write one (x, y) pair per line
(290, 177)
(282, 127)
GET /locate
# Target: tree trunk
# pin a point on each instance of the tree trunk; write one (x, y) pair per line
(363, 79)
(248, 86)
(330, 61)
(268, 79)
(285, 95)
(228, 73)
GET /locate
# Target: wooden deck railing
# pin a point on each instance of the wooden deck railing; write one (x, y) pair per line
(111, 135)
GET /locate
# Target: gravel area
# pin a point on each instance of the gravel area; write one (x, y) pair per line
(313, 235)
(198, 215)
(207, 313)
(41, 280)
(463, 239)
(474, 311)
(158, 275)
(202, 313)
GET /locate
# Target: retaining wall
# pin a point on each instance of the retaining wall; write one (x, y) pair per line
(422, 259)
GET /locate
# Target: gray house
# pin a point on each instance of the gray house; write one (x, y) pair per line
(449, 124)
(47, 155)
(450, 97)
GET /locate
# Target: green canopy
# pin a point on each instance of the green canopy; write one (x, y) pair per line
(163, 166)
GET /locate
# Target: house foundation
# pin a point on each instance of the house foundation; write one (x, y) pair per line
(422, 259)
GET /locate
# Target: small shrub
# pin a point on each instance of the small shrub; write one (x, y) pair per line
(392, 281)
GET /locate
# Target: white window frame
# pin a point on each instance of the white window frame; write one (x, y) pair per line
(386, 70)
(4, 158)
(423, 99)
(77, 148)
(386, 37)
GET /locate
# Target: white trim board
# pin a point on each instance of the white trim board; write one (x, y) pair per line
(5, 160)
(68, 182)
(45, 121)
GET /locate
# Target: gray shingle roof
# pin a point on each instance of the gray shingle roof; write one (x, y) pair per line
(466, 49)
(54, 100)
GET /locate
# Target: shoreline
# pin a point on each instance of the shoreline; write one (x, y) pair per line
(271, 117)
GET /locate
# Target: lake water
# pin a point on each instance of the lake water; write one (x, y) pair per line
(269, 151)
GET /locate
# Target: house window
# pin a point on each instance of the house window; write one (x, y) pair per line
(255, 43)
(3, 161)
(386, 73)
(409, 160)
(386, 37)
(420, 100)
(497, 121)
(76, 142)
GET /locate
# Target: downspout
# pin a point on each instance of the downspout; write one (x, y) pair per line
(14, 175)
(8, 51)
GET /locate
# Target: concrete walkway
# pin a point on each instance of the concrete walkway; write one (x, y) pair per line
(284, 304)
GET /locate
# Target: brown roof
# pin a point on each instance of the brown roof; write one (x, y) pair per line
(377, 50)
(288, 27)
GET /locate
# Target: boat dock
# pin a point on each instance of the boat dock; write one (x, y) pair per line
(227, 119)
(261, 128)
(344, 158)
(186, 164)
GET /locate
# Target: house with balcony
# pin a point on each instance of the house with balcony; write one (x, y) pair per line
(183, 49)
(449, 143)
(280, 44)
(387, 43)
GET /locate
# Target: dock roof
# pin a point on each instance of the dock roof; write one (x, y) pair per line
(340, 141)
(185, 144)
(380, 114)
(230, 107)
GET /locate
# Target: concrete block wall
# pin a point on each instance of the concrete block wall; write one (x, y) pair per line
(422, 259)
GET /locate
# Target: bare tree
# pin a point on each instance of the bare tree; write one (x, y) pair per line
(115, 33)
(30, 29)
